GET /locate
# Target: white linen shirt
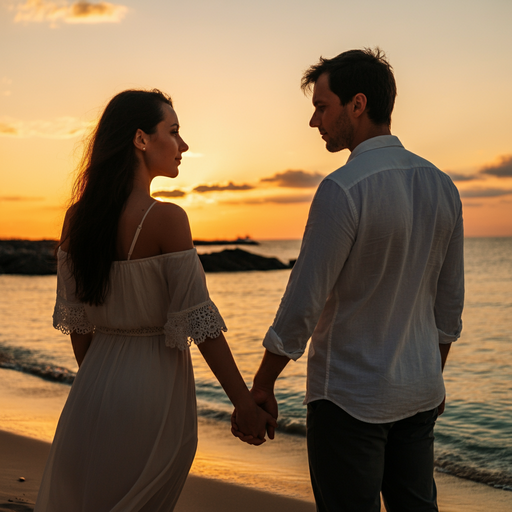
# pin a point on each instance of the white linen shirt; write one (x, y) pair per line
(378, 285)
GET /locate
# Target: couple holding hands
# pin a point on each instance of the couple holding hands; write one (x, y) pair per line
(378, 287)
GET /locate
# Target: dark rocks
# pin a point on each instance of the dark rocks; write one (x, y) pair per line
(34, 258)
(233, 260)
(28, 257)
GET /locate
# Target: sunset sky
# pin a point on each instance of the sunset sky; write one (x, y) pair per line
(233, 69)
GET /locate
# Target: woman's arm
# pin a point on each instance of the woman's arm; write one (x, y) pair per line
(81, 343)
(250, 419)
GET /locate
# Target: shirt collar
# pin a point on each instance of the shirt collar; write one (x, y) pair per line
(381, 141)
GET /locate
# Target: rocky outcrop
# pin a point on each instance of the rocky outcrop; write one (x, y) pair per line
(27, 257)
(232, 260)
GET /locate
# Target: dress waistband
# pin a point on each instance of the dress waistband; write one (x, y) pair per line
(140, 331)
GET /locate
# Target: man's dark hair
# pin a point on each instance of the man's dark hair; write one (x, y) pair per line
(358, 71)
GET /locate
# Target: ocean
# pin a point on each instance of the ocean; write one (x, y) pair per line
(473, 436)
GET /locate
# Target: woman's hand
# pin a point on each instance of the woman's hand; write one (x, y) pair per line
(252, 423)
(267, 402)
(250, 419)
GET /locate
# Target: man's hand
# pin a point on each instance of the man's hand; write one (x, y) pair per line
(267, 401)
(252, 423)
(263, 393)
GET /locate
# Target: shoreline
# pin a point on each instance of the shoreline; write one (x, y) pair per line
(24, 457)
(226, 474)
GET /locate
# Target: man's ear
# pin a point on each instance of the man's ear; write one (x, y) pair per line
(359, 102)
(140, 140)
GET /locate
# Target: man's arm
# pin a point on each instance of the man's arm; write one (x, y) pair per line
(328, 239)
(450, 289)
(450, 296)
(263, 385)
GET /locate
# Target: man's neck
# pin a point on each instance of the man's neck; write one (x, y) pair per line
(370, 130)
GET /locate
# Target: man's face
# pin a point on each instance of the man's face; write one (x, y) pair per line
(331, 117)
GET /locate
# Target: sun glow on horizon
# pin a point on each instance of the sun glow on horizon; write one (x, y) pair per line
(233, 72)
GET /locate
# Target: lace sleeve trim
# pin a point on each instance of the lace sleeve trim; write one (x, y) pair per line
(69, 317)
(193, 325)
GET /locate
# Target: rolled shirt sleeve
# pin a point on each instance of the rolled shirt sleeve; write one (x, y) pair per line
(450, 288)
(328, 239)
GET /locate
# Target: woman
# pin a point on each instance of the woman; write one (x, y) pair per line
(131, 293)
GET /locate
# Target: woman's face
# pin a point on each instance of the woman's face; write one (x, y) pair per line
(165, 147)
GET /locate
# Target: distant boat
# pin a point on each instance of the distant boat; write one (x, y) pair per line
(238, 241)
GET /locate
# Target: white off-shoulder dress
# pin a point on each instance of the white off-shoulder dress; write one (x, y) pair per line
(128, 432)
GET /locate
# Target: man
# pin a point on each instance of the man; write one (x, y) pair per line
(379, 287)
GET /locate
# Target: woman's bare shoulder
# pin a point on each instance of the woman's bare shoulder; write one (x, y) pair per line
(171, 226)
(172, 210)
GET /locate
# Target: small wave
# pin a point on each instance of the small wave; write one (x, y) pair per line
(291, 426)
(496, 479)
(47, 372)
(213, 413)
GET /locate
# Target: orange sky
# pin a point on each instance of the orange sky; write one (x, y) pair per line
(233, 69)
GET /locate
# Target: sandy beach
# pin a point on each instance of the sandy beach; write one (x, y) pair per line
(227, 475)
(24, 458)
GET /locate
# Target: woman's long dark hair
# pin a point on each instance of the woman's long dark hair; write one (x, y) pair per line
(104, 182)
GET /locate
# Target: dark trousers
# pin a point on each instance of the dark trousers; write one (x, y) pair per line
(351, 462)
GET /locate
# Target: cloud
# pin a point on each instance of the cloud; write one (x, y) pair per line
(191, 154)
(295, 179)
(485, 192)
(503, 169)
(60, 128)
(201, 189)
(169, 193)
(455, 176)
(8, 129)
(288, 199)
(20, 198)
(77, 12)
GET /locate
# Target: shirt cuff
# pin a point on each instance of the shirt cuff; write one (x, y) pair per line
(445, 339)
(273, 343)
